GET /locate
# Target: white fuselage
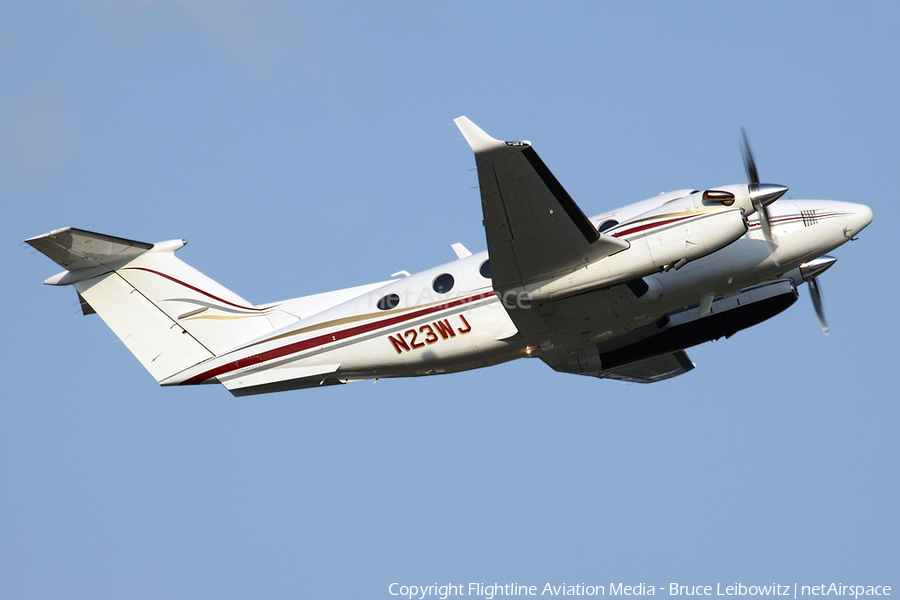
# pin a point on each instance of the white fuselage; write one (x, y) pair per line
(420, 325)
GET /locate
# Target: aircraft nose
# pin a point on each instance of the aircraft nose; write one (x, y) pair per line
(857, 217)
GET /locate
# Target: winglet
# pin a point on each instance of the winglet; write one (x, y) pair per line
(477, 138)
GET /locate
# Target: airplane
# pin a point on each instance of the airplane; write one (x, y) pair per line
(619, 295)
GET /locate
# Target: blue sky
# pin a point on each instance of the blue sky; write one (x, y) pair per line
(309, 146)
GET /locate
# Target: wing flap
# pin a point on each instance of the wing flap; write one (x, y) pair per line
(648, 370)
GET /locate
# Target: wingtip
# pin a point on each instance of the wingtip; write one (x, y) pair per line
(478, 140)
(55, 232)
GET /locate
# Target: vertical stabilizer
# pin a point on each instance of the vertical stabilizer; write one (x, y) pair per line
(167, 313)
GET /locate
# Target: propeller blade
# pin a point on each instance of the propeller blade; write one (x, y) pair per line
(766, 227)
(749, 163)
(764, 223)
(761, 194)
(815, 292)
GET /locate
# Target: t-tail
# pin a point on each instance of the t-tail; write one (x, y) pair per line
(167, 313)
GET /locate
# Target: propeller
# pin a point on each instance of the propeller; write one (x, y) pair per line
(810, 272)
(761, 194)
(815, 292)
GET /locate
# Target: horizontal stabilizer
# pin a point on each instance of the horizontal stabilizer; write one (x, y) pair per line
(77, 249)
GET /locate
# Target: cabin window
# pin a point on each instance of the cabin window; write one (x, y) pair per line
(608, 224)
(485, 269)
(443, 283)
(388, 302)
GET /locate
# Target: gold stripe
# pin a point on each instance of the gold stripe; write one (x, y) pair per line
(351, 319)
(665, 216)
(222, 317)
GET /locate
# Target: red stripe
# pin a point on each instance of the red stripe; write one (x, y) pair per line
(650, 226)
(796, 217)
(327, 338)
(196, 289)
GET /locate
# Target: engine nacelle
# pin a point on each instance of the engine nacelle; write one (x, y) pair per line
(672, 239)
(661, 239)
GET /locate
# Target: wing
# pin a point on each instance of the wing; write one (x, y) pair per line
(648, 370)
(534, 229)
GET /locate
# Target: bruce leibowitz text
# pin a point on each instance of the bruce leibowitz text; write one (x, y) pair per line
(489, 591)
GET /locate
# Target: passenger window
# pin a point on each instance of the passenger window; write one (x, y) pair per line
(443, 283)
(388, 302)
(485, 269)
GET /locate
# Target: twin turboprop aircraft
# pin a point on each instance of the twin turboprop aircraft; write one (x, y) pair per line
(616, 296)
